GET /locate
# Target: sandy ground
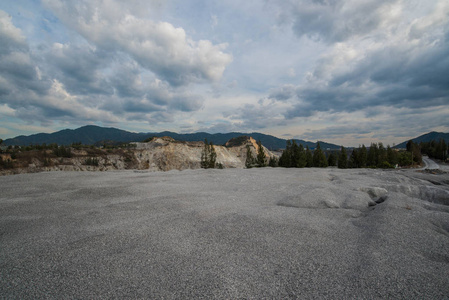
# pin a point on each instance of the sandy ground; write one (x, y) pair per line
(258, 233)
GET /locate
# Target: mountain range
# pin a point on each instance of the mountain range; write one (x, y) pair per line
(431, 136)
(92, 134)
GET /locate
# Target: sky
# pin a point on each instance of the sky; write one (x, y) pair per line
(348, 72)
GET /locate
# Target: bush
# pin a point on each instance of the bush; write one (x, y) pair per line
(385, 165)
(47, 162)
(405, 158)
(91, 161)
(273, 162)
(62, 152)
(6, 164)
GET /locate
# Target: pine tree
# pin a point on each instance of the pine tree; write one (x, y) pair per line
(382, 155)
(362, 156)
(372, 159)
(294, 155)
(319, 158)
(301, 157)
(323, 160)
(261, 159)
(353, 161)
(416, 151)
(273, 162)
(286, 157)
(332, 159)
(208, 156)
(391, 156)
(442, 149)
(205, 155)
(249, 162)
(343, 159)
(212, 156)
(309, 158)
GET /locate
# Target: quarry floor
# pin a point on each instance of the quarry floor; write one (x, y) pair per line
(225, 234)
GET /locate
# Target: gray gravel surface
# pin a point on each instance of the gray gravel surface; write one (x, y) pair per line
(258, 233)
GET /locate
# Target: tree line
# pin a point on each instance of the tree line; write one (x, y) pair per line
(375, 156)
(295, 156)
(435, 149)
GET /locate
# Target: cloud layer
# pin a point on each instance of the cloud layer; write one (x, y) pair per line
(123, 68)
(343, 70)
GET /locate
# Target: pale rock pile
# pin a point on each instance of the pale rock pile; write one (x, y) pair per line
(164, 154)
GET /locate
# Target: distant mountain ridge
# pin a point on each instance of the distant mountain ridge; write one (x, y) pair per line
(92, 134)
(436, 136)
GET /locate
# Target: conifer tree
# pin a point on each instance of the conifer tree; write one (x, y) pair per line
(286, 157)
(343, 159)
(309, 158)
(261, 159)
(381, 155)
(332, 159)
(416, 151)
(319, 158)
(391, 156)
(323, 160)
(205, 155)
(442, 149)
(273, 162)
(362, 156)
(208, 156)
(294, 155)
(301, 157)
(212, 156)
(249, 162)
(354, 159)
(372, 159)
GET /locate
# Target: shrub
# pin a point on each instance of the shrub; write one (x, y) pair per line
(91, 161)
(62, 152)
(385, 165)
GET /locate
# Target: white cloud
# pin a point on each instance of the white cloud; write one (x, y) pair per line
(10, 36)
(157, 46)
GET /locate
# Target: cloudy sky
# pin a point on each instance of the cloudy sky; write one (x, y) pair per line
(342, 71)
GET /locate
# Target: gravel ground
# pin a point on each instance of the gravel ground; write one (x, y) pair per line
(258, 233)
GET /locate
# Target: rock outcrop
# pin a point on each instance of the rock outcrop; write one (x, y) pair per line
(159, 154)
(163, 154)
